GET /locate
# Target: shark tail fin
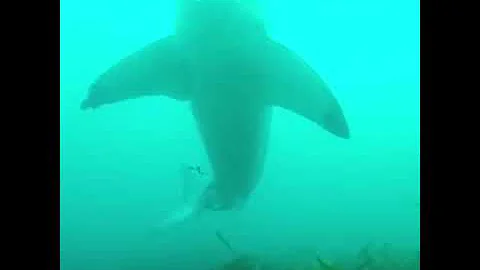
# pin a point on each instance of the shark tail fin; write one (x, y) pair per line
(192, 185)
(178, 216)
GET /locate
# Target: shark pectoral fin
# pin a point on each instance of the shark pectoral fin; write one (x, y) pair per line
(298, 88)
(157, 69)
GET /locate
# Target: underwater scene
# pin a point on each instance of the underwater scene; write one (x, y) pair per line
(239, 134)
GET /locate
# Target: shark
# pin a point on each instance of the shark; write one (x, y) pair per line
(222, 61)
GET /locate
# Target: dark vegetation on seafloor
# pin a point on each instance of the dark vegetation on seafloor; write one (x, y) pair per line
(384, 257)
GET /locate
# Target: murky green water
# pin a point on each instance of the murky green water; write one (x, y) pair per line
(121, 165)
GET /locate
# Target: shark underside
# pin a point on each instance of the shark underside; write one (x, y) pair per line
(231, 80)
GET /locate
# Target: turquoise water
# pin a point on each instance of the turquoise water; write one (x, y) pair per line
(120, 166)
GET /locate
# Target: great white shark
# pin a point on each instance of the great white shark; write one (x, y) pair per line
(222, 61)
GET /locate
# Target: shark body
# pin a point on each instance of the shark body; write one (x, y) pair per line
(222, 61)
